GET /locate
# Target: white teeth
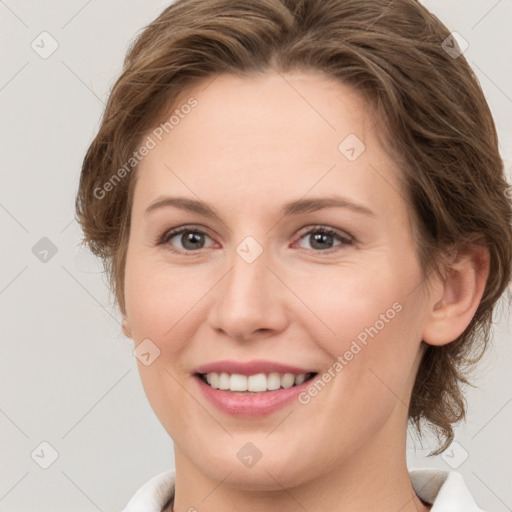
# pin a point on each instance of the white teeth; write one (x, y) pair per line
(300, 379)
(273, 381)
(214, 380)
(287, 380)
(237, 382)
(224, 381)
(257, 383)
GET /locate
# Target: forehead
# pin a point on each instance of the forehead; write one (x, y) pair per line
(266, 136)
(247, 112)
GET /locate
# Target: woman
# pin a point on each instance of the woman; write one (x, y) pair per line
(303, 212)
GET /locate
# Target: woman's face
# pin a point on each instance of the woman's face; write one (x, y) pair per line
(295, 255)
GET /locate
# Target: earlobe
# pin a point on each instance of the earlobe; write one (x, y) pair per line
(458, 296)
(126, 328)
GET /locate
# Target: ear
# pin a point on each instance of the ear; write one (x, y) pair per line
(456, 296)
(125, 325)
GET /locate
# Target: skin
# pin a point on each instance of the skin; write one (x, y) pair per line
(250, 146)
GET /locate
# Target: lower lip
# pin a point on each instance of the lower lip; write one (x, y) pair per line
(250, 406)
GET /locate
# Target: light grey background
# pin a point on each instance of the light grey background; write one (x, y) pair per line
(68, 375)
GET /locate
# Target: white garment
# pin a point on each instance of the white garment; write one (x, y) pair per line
(446, 491)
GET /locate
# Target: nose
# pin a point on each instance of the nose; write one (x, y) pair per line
(250, 301)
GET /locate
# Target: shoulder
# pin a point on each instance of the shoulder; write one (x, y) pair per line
(446, 491)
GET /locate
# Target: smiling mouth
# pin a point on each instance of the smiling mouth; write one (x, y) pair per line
(254, 384)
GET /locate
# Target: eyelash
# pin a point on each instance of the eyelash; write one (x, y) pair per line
(343, 237)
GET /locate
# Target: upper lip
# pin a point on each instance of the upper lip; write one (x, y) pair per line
(250, 367)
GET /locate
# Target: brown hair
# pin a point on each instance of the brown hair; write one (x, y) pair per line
(441, 133)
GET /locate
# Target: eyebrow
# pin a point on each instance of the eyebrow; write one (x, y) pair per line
(292, 208)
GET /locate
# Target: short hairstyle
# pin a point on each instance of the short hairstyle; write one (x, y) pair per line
(436, 124)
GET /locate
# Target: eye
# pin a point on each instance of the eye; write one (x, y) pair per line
(323, 238)
(190, 238)
(187, 239)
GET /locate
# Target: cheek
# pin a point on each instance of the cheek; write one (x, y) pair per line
(369, 326)
(348, 303)
(372, 354)
(160, 307)
(160, 299)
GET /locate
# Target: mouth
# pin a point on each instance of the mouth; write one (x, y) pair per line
(254, 384)
(251, 389)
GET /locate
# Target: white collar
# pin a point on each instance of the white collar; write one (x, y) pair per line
(445, 490)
